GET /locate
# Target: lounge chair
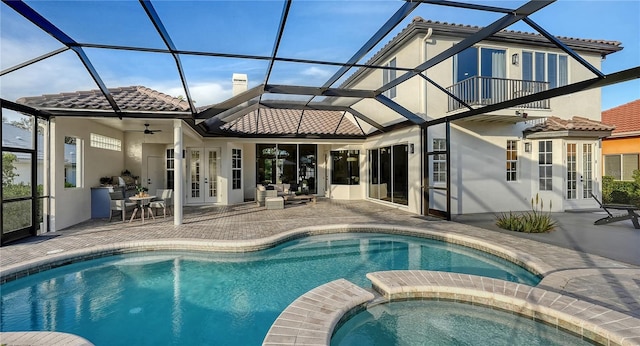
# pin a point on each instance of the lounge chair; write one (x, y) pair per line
(631, 214)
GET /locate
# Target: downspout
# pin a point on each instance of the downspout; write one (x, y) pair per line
(423, 58)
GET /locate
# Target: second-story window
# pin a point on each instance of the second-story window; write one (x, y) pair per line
(388, 76)
(545, 67)
(479, 74)
(485, 62)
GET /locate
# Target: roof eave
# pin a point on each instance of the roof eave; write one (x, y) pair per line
(567, 134)
(625, 134)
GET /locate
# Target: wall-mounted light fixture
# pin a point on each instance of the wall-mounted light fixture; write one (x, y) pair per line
(411, 148)
(527, 147)
(515, 59)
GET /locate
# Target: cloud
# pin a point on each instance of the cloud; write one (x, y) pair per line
(316, 72)
(61, 73)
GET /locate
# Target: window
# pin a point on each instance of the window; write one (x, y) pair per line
(545, 165)
(587, 170)
(512, 160)
(621, 166)
(389, 174)
(572, 172)
(72, 162)
(293, 164)
(236, 169)
(489, 68)
(545, 67)
(346, 167)
(170, 168)
(307, 166)
(439, 161)
(388, 76)
(104, 142)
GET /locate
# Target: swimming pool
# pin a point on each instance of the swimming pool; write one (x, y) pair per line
(214, 298)
(442, 323)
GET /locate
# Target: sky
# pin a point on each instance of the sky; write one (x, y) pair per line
(317, 30)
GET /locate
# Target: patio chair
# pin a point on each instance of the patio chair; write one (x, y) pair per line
(119, 203)
(164, 200)
(630, 215)
(262, 193)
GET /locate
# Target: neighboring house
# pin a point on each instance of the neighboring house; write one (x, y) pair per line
(13, 136)
(621, 150)
(498, 160)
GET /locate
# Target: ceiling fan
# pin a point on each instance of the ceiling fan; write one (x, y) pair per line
(148, 131)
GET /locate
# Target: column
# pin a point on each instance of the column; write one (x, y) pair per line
(178, 172)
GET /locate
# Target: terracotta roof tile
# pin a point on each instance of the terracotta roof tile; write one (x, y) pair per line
(626, 117)
(576, 124)
(271, 121)
(132, 98)
(476, 28)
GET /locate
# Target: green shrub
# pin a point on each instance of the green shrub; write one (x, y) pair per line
(534, 221)
(624, 192)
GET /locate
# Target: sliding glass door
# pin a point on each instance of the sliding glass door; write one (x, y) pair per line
(389, 174)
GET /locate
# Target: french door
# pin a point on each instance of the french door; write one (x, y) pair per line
(202, 178)
(580, 165)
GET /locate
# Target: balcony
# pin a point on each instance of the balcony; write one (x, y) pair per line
(483, 91)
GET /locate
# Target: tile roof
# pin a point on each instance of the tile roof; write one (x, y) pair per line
(270, 121)
(575, 124)
(626, 117)
(132, 98)
(13, 136)
(565, 39)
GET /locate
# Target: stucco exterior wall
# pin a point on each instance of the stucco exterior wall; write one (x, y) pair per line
(70, 206)
(478, 149)
(419, 96)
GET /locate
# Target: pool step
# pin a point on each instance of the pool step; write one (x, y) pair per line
(311, 318)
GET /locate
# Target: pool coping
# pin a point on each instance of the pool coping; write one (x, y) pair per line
(43, 338)
(53, 260)
(586, 320)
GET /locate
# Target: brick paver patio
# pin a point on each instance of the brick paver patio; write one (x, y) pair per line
(592, 278)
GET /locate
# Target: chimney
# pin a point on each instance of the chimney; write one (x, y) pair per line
(240, 83)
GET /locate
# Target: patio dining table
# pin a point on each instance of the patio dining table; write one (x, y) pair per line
(142, 202)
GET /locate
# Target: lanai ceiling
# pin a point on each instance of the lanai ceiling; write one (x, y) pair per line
(297, 56)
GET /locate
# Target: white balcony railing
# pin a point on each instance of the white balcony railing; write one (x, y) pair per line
(483, 91)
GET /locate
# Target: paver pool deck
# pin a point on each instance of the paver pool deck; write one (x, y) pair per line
(591, 278)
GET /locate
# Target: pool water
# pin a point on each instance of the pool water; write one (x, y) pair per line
(442, 323)
(195, 298)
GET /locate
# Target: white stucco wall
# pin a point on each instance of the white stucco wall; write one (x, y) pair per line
(249, 170)
(478, 173)
(70, 206)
